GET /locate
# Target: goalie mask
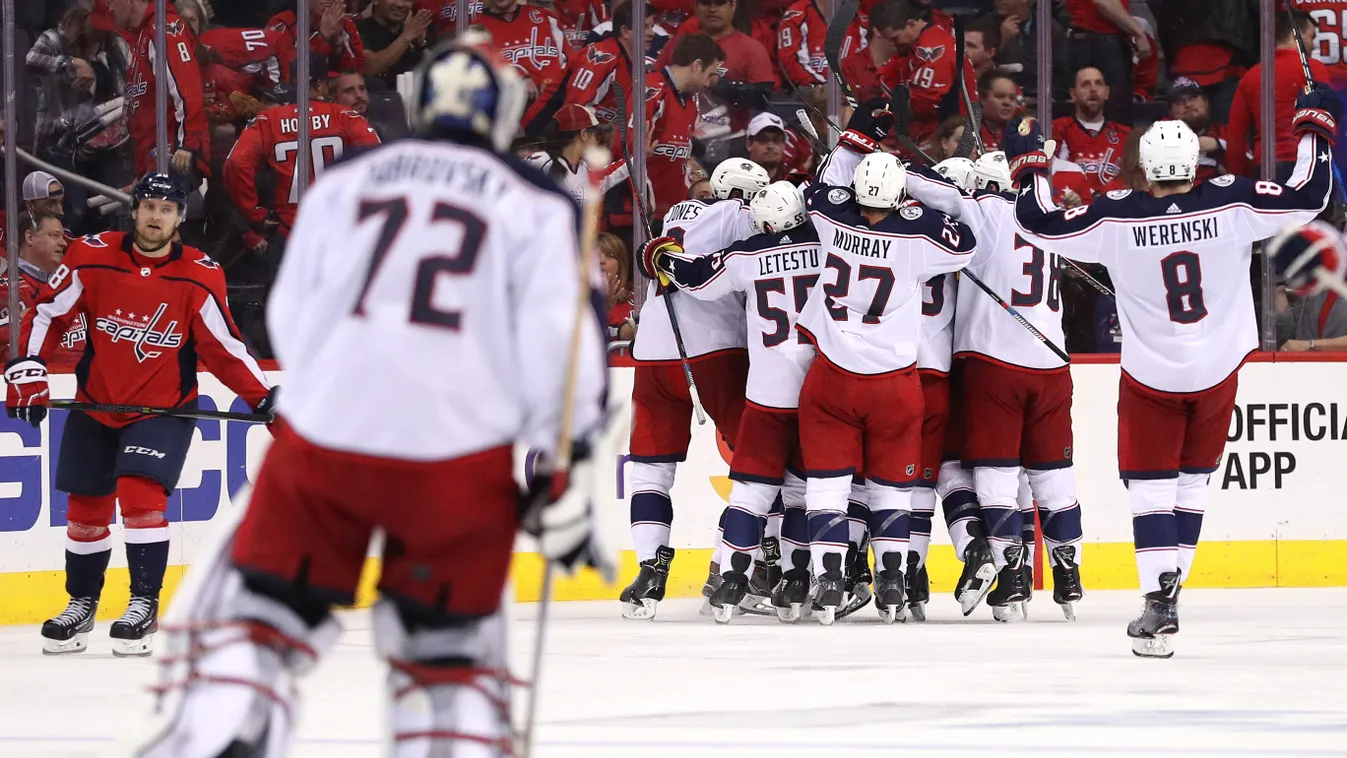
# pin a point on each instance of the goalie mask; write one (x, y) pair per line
(465, 92)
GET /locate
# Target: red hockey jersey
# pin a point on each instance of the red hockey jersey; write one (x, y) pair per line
(187, 127)
(1330, 43)
(271, 140)
(799, 44)
(1098, 153)
(531, 39)
(1084, 15)
(591, 72)
(150, 320)
(71, 347)
(241, 61)
(862, 75)
(346, 54)
(670, 118)
(929, 71)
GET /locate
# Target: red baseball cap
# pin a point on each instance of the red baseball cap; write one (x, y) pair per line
(575, 117)
(101, 17)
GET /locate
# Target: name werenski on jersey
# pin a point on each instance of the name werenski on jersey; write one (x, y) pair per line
(1174, 233)
(868, 247)
(787, 260)
(140, 331)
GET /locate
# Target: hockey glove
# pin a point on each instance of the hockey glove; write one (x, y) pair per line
(1301, 251)
(267, 406)
(872, 119)
(651, 254)
(1021, 137)
(559, 514)
(28, 397)
(1317, 111)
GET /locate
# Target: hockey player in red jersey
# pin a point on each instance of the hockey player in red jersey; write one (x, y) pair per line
(419, 251)
(530, 37)
(1179, 258)
(188, 134)
(271, 142)
(154, 308)
(42, 243)
(670, 106)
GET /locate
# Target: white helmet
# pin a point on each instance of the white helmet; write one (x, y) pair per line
(957, 170)
(992, 171)
(738, 174)
(1169, 152)
(880, 182)
(778, 208)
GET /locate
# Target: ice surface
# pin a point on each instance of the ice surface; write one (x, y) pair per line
(1257, 672)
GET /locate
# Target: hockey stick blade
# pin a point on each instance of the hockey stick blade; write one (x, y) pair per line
(838, 27)
(77, 405)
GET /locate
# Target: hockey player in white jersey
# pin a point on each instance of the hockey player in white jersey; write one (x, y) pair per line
(861, 406)
(774, 270)
(1016, 389)
(423, 339)
(1179, 258)
(713, 333)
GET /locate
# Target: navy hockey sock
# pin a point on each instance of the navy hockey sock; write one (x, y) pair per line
(1062, 528)
(651, 520)
(85, 565)
(147, 559)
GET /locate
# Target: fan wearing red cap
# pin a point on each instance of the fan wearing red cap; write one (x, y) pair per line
(574, 130)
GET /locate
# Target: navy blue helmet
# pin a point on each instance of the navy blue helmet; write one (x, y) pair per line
(463, 91)
(160, 187)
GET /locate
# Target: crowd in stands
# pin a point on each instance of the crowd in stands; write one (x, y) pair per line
(724, 78)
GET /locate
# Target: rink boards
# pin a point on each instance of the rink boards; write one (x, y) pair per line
(1277, 515)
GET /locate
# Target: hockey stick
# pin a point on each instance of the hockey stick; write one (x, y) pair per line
(1300, 48)
(972, 131)
(621, 107)
(1021, 320)
(838, 27)
(79, 405)
(595, 158)
(805, 101)
(899, 102)
(1099, 286)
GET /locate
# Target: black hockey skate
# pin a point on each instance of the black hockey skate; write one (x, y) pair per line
(710, 586)
(978, 572)
(829, 590)
(1066, 587)
(640, 598)
(733, 588)
(1028, 584)
(764, 579)
(918, 588)
(889, 596)
(133, 633)
(791, 595)
(69, 632)
(857, 578)
(1159, 620)
(1007, 598)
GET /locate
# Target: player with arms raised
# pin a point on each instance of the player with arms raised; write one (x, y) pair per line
(1016, 390)
(1179, 258)
(438, 277)
(153, 307)
(861, 404)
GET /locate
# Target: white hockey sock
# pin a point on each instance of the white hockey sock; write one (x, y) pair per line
(1188, 512)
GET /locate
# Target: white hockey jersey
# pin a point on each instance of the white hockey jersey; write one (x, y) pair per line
(865, 314)
(702, 227)
(939, 299)
(1023, 275)
(426, 305)
(577, 180)
(1180, 264)
(776, 273)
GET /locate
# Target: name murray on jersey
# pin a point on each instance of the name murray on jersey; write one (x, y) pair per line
(1175, 232)
(856, 244)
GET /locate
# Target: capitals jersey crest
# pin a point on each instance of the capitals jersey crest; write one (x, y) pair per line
(929, 54)
(597, 56)
(142, 331)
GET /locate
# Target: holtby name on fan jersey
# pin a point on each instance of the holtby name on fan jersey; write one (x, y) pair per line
(1176, 232)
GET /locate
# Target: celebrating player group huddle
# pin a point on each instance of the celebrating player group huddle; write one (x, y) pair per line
(903, 332)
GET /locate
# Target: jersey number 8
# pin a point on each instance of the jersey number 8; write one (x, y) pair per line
(1182, 274)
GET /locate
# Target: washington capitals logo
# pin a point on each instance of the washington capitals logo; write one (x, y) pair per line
(141, 331)
(930, 54)
(597, 56)
(174, 27)
(206, 262)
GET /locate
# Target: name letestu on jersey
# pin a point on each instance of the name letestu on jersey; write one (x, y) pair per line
(867, 247)
(1175, 233)
(787, 260)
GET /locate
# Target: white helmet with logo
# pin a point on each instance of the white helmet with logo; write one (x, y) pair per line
(738, 174)
(880, 182)
(992, 171)
(957, 170)
(1169, 152)
(778, 208)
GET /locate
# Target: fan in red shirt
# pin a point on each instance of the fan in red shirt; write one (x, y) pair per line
(41, 247)
(188, 131)
(746, 79)
(154, 308)
(235, 63)
(592, 71)
(670, 108)
(860, 68)
(926, 63)
(1244, 142)
(270, 143)
(529, 37)
(799, 45)
(1086, 138)
(332, 34)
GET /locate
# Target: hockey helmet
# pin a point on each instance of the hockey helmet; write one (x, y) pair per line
(738, 174)
(778, 207)
(991, 171)
(957, 170)
(880, 181)
(465, 91)
(1169, 152)
(160, 187)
